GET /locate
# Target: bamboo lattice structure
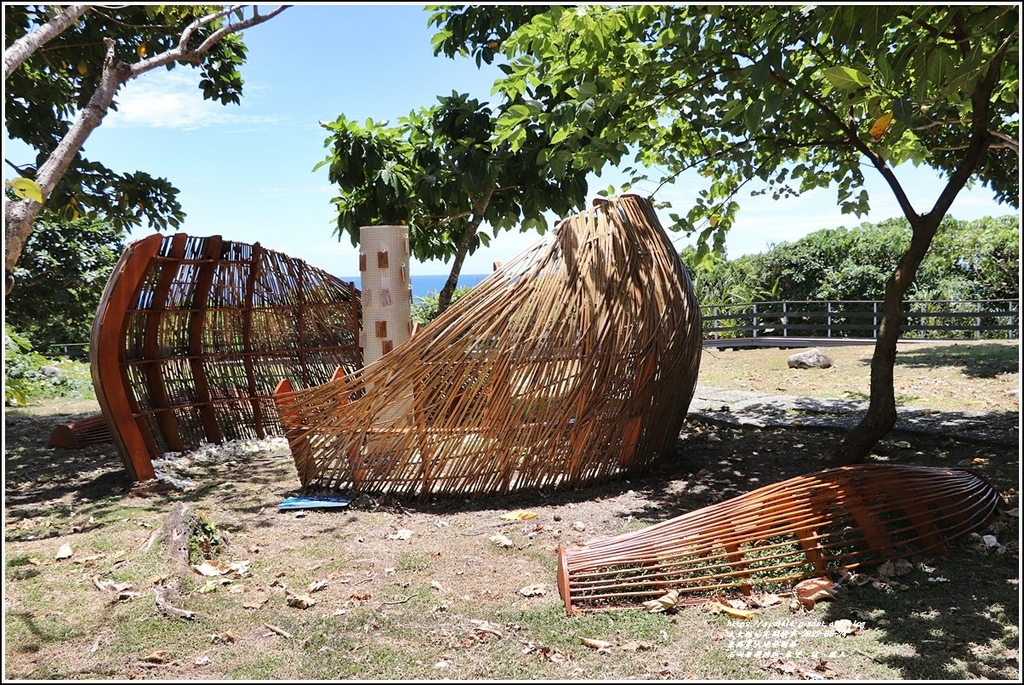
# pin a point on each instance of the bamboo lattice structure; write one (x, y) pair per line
(573, 363)
(808, 526)
(192, 334)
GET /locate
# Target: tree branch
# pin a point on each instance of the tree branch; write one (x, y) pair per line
(21, 49)
(182, 53)
(19, 216)
(854, 140)
(979, 141)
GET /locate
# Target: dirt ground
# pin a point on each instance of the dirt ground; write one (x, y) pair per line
(380, 557)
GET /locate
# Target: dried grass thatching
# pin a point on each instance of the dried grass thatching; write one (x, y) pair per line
(192, 335)
(573, 363)
(808, 526)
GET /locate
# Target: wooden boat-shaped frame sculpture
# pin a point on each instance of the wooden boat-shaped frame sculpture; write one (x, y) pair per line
(571, 364)
(192, 335)
(808, 526)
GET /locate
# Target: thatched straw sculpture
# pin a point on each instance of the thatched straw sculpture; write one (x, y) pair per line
(808, 526)
(192, 335)
(573, 363)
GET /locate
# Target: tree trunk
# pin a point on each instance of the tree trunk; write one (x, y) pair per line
(444, 298)
(881, 415)
(21, 215)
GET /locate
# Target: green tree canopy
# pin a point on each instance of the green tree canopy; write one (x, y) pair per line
(441, 172)
(969, 260)
(63, 68)
(60, 278)
(776, 99)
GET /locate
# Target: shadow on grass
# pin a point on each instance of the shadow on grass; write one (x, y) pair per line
(40, 479)
(985, 360)
(963, 627)
(934, 628)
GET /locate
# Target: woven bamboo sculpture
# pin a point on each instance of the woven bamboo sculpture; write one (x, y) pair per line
(807, 526)
(573, 363)
(192, 335)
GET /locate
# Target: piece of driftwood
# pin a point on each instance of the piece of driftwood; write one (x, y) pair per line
(808, 526)
(573, 363)
(177, 530)
(160, 597)
(192, 335)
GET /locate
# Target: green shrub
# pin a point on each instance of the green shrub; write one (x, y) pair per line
(30, 376)
(425, 309)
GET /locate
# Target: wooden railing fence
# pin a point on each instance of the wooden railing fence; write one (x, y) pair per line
(832, 321)
(840, 320)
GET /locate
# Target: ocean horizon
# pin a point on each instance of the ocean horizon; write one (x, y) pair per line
(423, 285)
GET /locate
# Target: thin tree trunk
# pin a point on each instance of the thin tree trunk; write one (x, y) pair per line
(881, 414)
(20, 216)
(444, 298)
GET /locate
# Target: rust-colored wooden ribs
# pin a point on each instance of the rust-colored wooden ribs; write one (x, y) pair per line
(573, 363)
(91, 430)
(192, 335)
(811, 525)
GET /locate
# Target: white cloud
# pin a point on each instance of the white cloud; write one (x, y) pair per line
(167, 99)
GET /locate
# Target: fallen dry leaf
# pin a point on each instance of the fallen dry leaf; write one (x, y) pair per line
(600, 645)
(500, 540)
(533, 590)
(299, 601)
(543, 651)
(738, 613)
(258, 599)
(634, 646)
(240, 568)
(766, 600)
(663, 603)
(485, 627)
(157, 657)
(212, 568)
(844, 627)
(814, 589)
(519, 515)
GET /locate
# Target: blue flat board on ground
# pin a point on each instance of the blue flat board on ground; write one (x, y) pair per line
(315, 502)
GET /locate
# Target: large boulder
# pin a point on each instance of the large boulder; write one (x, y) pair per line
(811, 359)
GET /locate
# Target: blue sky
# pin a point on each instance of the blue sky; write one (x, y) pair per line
(246, 172)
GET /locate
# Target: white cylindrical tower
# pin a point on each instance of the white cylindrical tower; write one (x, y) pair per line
(386, 288)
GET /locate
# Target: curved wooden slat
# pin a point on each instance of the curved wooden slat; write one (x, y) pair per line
(106, 346)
